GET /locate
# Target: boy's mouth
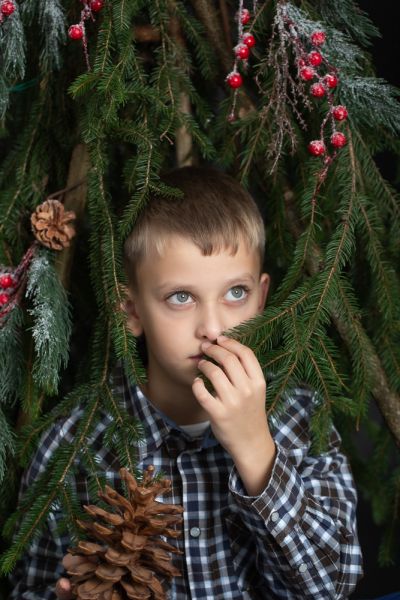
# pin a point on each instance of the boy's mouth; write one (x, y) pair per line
(197, 357)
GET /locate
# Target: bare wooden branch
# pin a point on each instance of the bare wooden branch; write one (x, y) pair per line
(225, 22)
(210, 19)
(183, 139)
(75, 200)
(146, 33)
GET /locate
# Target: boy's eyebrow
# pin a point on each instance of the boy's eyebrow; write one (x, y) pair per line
(184, 286)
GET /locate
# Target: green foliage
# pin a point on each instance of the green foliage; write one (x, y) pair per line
(51, 321)
(332, 319)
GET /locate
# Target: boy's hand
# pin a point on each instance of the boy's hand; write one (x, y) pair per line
(63, 589)
(237, 409)
(63, 585)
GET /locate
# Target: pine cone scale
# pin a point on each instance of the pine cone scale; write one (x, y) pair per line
(89, 548)
(110, 573)
(92, 588)
(118, 558)
(137, 591)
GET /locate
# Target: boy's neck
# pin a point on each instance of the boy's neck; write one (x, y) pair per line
(175, 401)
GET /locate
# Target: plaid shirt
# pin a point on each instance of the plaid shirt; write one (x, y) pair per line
(296, 540)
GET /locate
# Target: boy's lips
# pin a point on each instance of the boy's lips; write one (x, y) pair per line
(197, 356)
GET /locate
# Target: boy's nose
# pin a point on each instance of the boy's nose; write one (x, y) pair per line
(209, 325)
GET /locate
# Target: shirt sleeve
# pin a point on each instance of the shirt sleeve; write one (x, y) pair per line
(304, 522)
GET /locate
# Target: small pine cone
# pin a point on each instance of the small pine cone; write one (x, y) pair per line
(127, 556)
(51, 225)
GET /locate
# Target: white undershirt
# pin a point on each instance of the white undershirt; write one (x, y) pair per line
(195, 430)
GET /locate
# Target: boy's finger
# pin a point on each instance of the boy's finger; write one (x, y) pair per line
(205, 399)
(245, 355)
(217, 376)
(231, 364)
(63, 589)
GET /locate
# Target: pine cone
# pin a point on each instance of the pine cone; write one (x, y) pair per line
(51, 225)
(123, 561)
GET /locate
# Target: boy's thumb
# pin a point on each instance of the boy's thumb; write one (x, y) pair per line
(63, 589)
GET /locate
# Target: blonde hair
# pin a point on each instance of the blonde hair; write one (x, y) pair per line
(214, 212)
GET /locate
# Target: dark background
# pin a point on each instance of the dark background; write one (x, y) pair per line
(386, 56)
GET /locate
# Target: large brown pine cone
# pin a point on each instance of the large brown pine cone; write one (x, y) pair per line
(51, 225)
(127, 552)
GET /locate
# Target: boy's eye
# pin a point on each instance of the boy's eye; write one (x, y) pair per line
(179, 298)
(238, 292)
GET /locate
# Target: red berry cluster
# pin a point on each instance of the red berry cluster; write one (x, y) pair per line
(77, 31)
(308, 63)
(12, 283)
(246, 41)
(7, 7)
(7, 285)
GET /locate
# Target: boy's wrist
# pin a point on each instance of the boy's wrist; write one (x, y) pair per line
(254, 465)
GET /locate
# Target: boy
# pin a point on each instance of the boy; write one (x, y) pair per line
(263, 519)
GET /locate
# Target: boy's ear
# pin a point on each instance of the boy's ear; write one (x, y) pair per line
(128, 306)
(264, 287)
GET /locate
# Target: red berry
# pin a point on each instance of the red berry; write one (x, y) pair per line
(301, 62)
(315, 58)
(249, 40)
(234, 80)
(340, 112)
(6, 281)
(317, 90)
(338, 139)
(242, 51)
(331, 80)
(75, 32)
(318, 38)
(316, 148)
(7, 8)
(96, 5)
(4, 299)
(307, 73)
(245, 16)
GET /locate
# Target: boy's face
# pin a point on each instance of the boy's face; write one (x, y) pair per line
(184, 298)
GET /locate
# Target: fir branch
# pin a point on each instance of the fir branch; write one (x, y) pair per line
(41, 503)
(18, 193)
(388, 343)
(12, 47)
(348, 16)
(53, 24)
(30, 433)
(195, 33)
(52, 321)
(11, 359)
(338, 49)
(384, 278)
(123, 433)
(372, 103)
(7, 444)
(208, 16)
(376, 185)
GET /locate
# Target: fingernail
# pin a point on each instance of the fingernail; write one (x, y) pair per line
(222, 338)
(206, 344)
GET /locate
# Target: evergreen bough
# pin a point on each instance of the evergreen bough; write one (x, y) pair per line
(332, 319)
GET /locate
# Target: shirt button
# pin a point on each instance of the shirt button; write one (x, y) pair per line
(195, 532)
(303, 568)
(274, 517)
